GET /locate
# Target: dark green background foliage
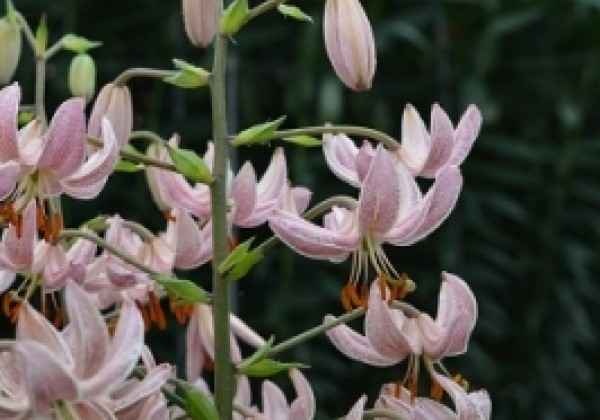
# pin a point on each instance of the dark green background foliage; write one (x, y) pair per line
(525, 233)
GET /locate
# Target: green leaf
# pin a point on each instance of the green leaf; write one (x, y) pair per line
(198, 405)
(235, 256)
(293, 12)
(245, 264)
(78, 44)
(188, 76)
(303, 140)
(186, 290)
(260, 133)
(190, 165)
(41, 35)
(234, 17)
(127, 166)
(265, 368)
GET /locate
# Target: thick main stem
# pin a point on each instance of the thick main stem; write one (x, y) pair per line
(223, 367)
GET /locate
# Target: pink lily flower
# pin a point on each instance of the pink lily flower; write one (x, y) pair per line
(468, 406)
(391, 208)
(425, 153)
(391, 335)
(78, 366)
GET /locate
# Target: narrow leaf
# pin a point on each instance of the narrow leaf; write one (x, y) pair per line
(303, 140)
(190, 165)
(293, 12)
(198, 405)
(186, 290)
(234, 17)
(235, 256)
(260, 133)
(78, 44)
(268, 367)
(242, 267)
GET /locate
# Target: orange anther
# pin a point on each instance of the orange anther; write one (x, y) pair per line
(6, 302)
(437, 392)
(345, 298)
(169, 216)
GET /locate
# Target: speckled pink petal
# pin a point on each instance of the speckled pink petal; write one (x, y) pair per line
(311, 240)
(10, 96)
(303, 407)
(194, 245)
(19, 249)
(274, 181)
(357, 410)
(243, 192)
(9, 174)
(465, 134)
(275, 405)
(465, 312)
(340, 154)
(416, 141)
(64, 148)
(356, 346)
(380, 196)
(442, 142)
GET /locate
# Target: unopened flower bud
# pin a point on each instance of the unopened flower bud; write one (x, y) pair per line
(349, 42)
(82, 76)
(114, 103)
(10, 48)
(199, 19)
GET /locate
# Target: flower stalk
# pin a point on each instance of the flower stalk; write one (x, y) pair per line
(350, 130)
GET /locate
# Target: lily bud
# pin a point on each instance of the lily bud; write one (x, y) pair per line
(114, 103)
(349, 42)
(10, 48)
(82, 76)
(199, 19)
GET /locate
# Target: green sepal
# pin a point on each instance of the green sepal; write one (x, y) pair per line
(260, 133)
(235, 256)
(78, 44)
(190, 165)
(41, 36)
(293, 12)
(258, 354)
(234, 17)
(128, 166)
(245, 264)
(188, 76)
(97, 223)
(304, 140)
(185, 290)
(265, 368)
(198, 405)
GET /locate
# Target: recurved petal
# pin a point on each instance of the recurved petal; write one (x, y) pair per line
(461, 297)
(114, 103)
(88, 335)
(438, 202)
(357, 346)
(357, 410)
(275, 405)
(416, 142)
(340, 154)
(273, 183)
(18, 249)
(122, 354)
(193, 245)
(301, 197)
(311, 240)
(33, 326)
(89, 179)
(152, 382)
(389, 331)
(303, 407)
(9, 174)
(465, 134)
(442, 142)
(64, 148)
(46, 377)
(243, 191)
(380, 196)
(467, 408)
(10, 96)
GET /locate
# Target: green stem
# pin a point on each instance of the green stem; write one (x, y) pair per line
(351, 130)
(262, 8)
(148, 135)
(218, 194)
(314, 332)
(382, 412)
(128, 74)
(40, 87)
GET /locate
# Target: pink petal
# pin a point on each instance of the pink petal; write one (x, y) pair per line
(114, 103)
(380, 196)
(194, 245)
(356, 346)
(194, 348)
(364, 160)
(466, 313)
(33, 326)
(465, 134)
(311, 240)
(274, 403)
(89, 179)
(245, 333)
(301, 197)
(88, 335)
(340, 153)
(243, 192)
(9, 174)
(19, 250)
(303, 407)
(442, 142)
(46, 377)
(416, 142)
(31, 143)
(274, 181)
(357, 410)
(92, 411)
(64, 148)
(7, 278)
(10, 96)
(390, 332)
(122, 354)
(152, 382)
(465, 408)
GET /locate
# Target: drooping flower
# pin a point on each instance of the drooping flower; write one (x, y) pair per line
(390, 208)
(391, 335)
(199, 17)
(114, 104)
(349, 43)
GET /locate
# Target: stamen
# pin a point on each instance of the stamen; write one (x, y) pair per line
(169, 216)
(6, 302)
(156, 313)
(346, 298)
(145, 316)
(437, 392)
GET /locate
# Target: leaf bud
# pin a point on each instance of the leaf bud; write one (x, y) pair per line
(82, 76)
